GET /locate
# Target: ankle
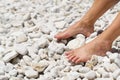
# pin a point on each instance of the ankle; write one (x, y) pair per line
(87, 23)
(88, 20)
(104, 41)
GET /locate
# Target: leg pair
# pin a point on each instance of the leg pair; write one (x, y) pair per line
(86, 26)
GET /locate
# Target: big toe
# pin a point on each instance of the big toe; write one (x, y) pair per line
(62, 35)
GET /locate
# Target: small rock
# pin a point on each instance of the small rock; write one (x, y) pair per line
(21, 38)
(13, 72)
(60, 25)
(55, 47)
(2, 71)
(9, 56)
(75, 43)
(73, 75)
(27, 60)
(21, 49)
(8, 67)
(118, 78)
(117, 61)
(84, 70)
(30, 73)
(104, 79)
(116, 73)
(92, 62)
(90, 75)
(40, 67)
(3, 77)
(42, 42)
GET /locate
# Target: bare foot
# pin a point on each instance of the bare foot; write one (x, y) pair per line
(79, 27)
(96, 47)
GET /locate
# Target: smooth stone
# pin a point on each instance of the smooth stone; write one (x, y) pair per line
(2, 64)
(15, 78)
(43, 54)
(60, 24)
(3, 77)
(8, 67)
(77, 42)
(45, 30)
(21, 38)
(104, 79)
(40, 67)
(26, 17)
(90, 75)
(55, 47)
(116, 73)
(73, 75)
(13, 72)
(9, 56)
(42, 42)
(84, 69)
(118, 78)
(30, 73)
(21, 49)
(117, 61)
(2, 72)
(27, 60)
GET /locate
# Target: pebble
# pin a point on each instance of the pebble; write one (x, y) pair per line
(13, 72)
(116, 73)
(118, 78)
(29, 51)
(9, 56)
(8, 67)
(3, 77)
(42, 42)
(77, 42)
(60, 25)
(84, 70)
(90, 75)
(73, 75)
(21, 38)
(30, 73)
(21, 49)
(40, 67)
(2, 71)
(104, 79)
(117, 61)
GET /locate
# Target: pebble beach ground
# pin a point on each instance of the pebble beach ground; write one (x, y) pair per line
(29, 51)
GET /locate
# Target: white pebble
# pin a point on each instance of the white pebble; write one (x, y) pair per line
(116, 73)
(9, 56)
(60, 24)
(75, 43)
(30, 73)
(3, 77)
(21, 49)
(90, 75)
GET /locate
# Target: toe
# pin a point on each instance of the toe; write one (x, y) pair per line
(69, 52)
(61, 35)
(74, 59)
(78, 61)
(70, 58)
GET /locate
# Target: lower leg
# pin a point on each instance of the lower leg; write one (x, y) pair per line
(85, 25)
(104, 42)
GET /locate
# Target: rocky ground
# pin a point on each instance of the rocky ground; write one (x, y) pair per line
(29, 51)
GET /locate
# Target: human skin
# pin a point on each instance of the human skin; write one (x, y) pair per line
(86, 24)
(85, 27)
(103, 41)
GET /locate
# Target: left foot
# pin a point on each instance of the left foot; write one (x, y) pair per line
(98, 46)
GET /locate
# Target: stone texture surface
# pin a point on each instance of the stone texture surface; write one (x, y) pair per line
(29, 51)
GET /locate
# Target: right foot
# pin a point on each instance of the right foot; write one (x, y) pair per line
(78, 28)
